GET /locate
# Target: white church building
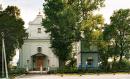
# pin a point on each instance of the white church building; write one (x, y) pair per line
(36, 52)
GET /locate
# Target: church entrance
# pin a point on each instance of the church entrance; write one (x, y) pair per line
(39, 62)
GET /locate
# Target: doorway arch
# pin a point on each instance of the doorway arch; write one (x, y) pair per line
(39, 61)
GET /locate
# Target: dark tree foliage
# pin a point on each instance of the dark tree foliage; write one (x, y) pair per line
(88, 6)
(118, 33)
(13, 27)
(61, 21)
(64, 20)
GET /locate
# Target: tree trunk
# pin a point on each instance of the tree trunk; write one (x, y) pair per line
(61, 63)
(114, 60)
(121, 55)
(121, 44)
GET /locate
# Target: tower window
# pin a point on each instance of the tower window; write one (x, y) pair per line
(39, 49)
(39, 30)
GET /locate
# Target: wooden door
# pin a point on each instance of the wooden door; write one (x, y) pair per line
(39, 62)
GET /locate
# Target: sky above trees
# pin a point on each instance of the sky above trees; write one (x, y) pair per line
(30, 8)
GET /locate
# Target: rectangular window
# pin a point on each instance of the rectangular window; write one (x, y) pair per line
(39, 30)
(39, 49)
(90, 61)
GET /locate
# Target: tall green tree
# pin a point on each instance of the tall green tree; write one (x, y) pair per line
(92, 28)
(62, 21)
(119, 30)
(91, 25)
(13, 27)
(87, 6)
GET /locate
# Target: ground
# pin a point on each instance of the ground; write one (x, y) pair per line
(91, 76)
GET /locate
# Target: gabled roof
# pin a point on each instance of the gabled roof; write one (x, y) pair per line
(37, 20)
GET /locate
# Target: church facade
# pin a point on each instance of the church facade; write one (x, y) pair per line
(36, 52)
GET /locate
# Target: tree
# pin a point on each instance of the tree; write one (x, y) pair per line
(87, 6)
(62, 21)
(119, 30)
(13, 27)
(92, 27)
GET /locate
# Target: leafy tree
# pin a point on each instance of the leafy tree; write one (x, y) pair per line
(91, 24)
(87, 6)
(13, 27)
(92, 27)
(61, 21)
(64, 20)
(118, 31)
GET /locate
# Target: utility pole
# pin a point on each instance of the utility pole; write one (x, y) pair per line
(4, 61)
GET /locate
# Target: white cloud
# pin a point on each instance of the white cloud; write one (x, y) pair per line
(112, 5)
(29, 8)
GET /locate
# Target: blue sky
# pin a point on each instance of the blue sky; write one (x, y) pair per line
(30, 8)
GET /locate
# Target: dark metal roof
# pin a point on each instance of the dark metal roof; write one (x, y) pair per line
(38, 54)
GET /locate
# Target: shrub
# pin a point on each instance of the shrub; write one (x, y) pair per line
(123, 66)
(17, 71)
(65, 70)
(73, 70)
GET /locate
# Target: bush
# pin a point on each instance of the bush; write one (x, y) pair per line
(17, 71)
(123, 66)
(73, 70)
(65, 70)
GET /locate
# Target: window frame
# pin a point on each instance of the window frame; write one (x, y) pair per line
(39, 30)
(39, 49)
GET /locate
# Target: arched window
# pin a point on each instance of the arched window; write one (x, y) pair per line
(39, 49)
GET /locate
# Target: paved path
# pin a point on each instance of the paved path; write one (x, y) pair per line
(94, 76)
